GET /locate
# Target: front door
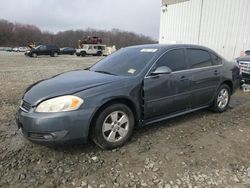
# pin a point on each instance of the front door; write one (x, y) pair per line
(166, 94)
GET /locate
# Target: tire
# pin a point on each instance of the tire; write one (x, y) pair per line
(99, 53)
(222, 99)
(83, 54)
(113, 126)
(54, 54)
(34, 55)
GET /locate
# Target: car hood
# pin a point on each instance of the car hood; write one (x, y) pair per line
(66, 84)
(245, 58)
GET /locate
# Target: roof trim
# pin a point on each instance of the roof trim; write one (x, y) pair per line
(170, 2)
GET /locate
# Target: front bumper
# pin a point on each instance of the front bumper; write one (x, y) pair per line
(27, 54)
(54, 128)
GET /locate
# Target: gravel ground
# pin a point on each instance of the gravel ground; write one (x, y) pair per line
(201, 149)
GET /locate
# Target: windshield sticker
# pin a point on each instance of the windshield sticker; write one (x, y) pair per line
(131, 71)
(149, 50)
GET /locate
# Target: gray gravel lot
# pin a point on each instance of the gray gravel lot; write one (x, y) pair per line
(202, 149)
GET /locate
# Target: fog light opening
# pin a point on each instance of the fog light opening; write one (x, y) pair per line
(48, 137)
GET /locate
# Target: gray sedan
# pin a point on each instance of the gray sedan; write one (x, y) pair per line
(133, 87)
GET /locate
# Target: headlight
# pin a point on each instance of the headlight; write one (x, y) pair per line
(60, 104)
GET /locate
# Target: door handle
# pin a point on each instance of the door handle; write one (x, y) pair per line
(216, 72)
(183, 78)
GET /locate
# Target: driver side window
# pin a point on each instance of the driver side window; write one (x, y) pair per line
(174, 59)
(42, 47)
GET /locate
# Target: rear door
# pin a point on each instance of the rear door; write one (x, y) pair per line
(206, 74)
(169, 93)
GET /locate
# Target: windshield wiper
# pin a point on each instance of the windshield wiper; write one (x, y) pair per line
(105, 72)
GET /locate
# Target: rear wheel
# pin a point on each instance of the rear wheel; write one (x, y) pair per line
(222, 99)
(99, 53)
(113, 126)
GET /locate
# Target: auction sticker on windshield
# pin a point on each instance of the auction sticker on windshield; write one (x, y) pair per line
(149, 50)
(131, 71)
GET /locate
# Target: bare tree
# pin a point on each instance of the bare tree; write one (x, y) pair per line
(16, 34)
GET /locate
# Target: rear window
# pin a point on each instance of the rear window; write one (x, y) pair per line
(198, 58)
(216, 59)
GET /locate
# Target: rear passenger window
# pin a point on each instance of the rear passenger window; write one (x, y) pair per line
(174, 59)
(216, 59)
(198, 58)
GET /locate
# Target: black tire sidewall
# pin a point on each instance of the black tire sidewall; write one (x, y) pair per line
(216, 108)
(83, 54)
(97, 134)
(99, 53)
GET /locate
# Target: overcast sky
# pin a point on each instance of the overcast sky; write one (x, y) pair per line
(140, 16)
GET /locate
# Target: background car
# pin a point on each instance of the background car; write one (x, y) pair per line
(67, 50)
(15, 49)
(91, 49)
(247, 52)
(51, 50)
(22, 49)
(244, 64)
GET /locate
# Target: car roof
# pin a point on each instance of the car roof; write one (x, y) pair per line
(170, 46)
(244, 58)
(164, 47)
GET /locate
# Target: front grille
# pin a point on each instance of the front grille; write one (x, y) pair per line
(244, 67)
(245, 76)
(25, 106)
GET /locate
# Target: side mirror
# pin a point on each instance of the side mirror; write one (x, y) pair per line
(161, 70)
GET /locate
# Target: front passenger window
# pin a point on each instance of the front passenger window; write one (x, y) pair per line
(174, 59)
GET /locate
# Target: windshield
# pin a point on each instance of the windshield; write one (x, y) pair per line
(37, 47)
(125, 62)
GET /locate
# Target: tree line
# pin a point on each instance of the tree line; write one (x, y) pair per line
(16, 34)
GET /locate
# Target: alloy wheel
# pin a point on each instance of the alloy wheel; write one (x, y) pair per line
(115, 126)
(223, 98)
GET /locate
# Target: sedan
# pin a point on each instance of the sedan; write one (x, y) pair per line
(68, 51)
(133, 87)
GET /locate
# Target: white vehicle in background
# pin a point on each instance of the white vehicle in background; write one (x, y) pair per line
(109, 50)
(95, 50)
(22, 49)
(15, 49)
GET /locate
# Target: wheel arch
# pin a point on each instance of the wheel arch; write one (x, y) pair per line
(230, 84)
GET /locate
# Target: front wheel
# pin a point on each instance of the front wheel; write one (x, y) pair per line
(34, 55)
(222, 99)
(83, 54)
(113, 126)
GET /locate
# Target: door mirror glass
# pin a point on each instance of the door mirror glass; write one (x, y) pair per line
(161, 70)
